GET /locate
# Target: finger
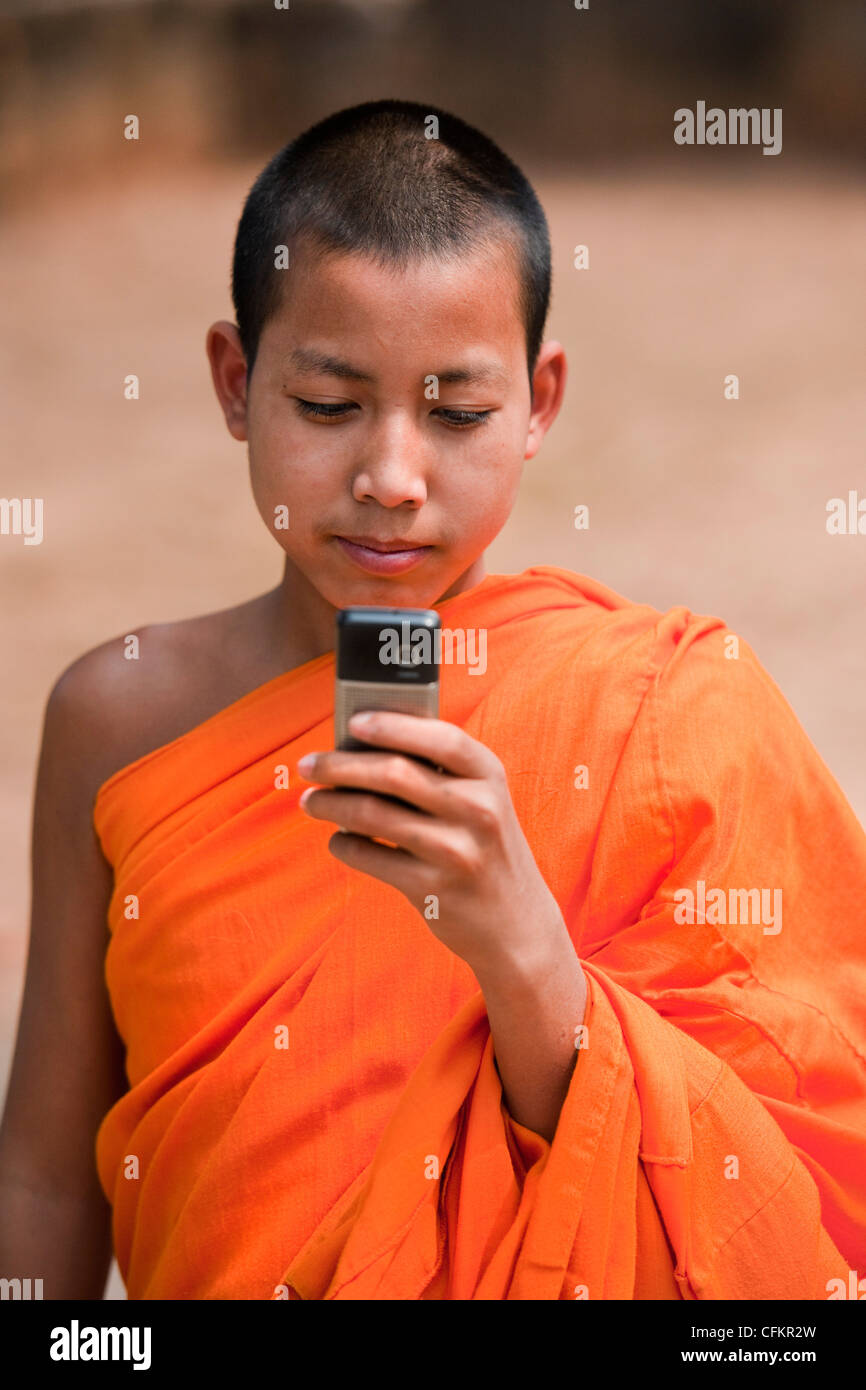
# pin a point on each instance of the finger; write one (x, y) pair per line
(389, 774)
(444, 744)
(404, 872)
(368, 815)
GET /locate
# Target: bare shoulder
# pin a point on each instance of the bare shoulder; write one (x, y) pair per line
(113, 704)
(143, 688)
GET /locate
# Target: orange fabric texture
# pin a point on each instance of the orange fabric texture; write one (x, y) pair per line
(314, 1108)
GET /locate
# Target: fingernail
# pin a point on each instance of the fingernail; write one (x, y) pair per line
(361, 721)
(305, 795)
(306, 762)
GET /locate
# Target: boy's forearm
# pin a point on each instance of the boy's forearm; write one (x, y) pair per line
(534, 1009)
(61, 1239)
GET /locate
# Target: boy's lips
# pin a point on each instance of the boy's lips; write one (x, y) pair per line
(373, 543)
(382, 557)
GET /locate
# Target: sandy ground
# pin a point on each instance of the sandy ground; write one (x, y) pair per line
(718, 505)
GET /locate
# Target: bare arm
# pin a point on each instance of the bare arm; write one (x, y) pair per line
(68, 1065)
(534, 1011)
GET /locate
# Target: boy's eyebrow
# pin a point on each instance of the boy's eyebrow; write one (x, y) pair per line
(310, 360)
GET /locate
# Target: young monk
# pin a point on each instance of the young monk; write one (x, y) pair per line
(583, 1017)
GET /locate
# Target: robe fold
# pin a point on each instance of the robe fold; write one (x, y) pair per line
(314, 1109)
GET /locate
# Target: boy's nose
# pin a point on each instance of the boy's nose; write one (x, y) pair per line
(393, 474)
(388, 488)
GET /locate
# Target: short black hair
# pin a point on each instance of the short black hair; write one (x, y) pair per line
(369, 179)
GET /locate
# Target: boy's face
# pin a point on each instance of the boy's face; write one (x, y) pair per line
(399, 453)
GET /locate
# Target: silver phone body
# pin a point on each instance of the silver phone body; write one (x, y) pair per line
(351, 696)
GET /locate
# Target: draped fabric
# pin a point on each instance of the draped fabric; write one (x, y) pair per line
(314, 1109)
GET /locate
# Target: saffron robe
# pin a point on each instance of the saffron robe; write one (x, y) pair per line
(314, 1109)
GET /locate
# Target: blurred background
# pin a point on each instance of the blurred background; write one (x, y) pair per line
(704, 261)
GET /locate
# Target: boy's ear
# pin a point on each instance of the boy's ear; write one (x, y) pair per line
(548, 388)
(228, 370)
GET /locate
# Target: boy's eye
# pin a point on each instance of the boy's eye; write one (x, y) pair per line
(316, 408)
(457, 418)
(466, 417)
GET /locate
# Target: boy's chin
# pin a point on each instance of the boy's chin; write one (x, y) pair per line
(345, 590)
(391, 594)
(349, 584)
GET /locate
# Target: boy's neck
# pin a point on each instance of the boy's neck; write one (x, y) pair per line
(297, 623)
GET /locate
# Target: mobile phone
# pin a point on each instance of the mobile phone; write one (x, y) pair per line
(387, 659)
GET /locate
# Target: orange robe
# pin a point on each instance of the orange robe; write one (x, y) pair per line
(314, 1108)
